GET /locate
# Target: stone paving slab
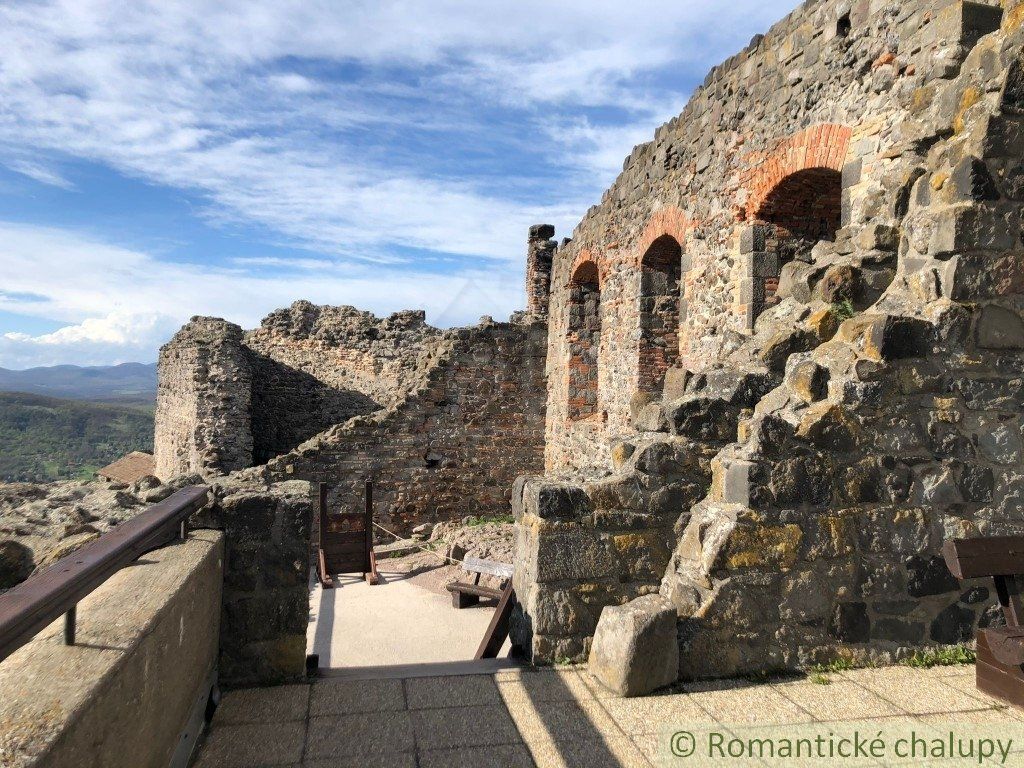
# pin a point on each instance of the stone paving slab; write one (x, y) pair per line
(356, 696)
(284, 703)
(563, 718)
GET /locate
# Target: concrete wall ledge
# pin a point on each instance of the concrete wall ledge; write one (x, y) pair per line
(125, 694)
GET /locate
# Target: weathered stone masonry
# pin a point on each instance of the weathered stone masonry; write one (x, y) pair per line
(451, 449)
(844, 196)
(443, 421)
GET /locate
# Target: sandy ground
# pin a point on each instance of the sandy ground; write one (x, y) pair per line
(407, 619)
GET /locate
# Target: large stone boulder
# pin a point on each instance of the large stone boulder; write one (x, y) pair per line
(16, 563)
(635, 649)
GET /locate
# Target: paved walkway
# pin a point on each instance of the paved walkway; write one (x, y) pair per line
(562, 718)
(395, 622)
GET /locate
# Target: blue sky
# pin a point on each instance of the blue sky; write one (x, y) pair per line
(162, 160)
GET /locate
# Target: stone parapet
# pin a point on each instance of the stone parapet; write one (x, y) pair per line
(133, 690)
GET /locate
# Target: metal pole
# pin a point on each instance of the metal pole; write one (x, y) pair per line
(183, 531)
(69, 625)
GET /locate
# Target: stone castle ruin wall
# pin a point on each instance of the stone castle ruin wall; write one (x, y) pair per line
(835, 102)
(452, 448)
(847, 392)
(443, 421)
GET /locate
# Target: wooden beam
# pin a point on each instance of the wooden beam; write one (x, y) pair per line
(497, 630)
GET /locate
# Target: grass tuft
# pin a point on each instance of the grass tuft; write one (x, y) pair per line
(844, 309)
(819, 673)
(941, 657)
(484, 519)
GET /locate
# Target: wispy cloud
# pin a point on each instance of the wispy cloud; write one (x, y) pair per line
(39, 173)
(364, 132)
(76, 278)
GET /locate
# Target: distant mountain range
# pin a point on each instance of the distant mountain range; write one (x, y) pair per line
(128, 382)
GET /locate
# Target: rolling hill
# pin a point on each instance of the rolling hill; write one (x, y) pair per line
(129, 382)
(46, 438)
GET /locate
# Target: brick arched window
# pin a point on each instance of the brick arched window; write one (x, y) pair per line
(801, 210)
(584, 340)
(660, 272)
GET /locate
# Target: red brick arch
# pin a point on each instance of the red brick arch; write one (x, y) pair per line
(669, 220)
(585, 257)
(819, 146)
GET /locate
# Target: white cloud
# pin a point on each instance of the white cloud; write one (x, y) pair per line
(317, 122)
(120, 304)
(40, 173)
(178, 93)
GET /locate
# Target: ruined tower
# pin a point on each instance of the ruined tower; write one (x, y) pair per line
(540, 254)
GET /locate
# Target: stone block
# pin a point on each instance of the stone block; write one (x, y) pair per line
(878, 237)
(928, 575)
(795, 280)
(755, 546)
(676, 379)
(976, 21)
(852, 173)
(973, 227)
(555, 501)
(733, 479)
(823, 323)
(841, 282)
(651, 418)
(971, 180)
(635, 650)
(703, 418)
(764, 264)
(752, 238)
(16, 563)
(849, 622)
(954, 624)
(568, 553)
(999, 328)
(888, 337)
(897, 630)
(806, 379)
(828, 426)
(783, 344)
(559, 612)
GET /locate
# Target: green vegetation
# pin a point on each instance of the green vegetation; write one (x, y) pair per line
(819, 673)
(942, 657)
(844, 310)
(45, 438)
(484, 519)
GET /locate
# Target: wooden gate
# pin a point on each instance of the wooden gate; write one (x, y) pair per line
(346, 541)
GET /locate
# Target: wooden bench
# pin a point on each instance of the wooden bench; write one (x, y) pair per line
(465, 594)
(998, 670)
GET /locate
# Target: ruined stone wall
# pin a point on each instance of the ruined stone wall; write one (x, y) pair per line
(348, 350)
(835, 86)
(454, 447)
(203, 419)
(869, 412)
(228, 400)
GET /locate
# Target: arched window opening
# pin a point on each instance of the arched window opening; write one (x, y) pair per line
(584, 340)
(660, 273)
(802, 210)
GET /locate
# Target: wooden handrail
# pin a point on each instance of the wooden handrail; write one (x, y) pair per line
(32, 605)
